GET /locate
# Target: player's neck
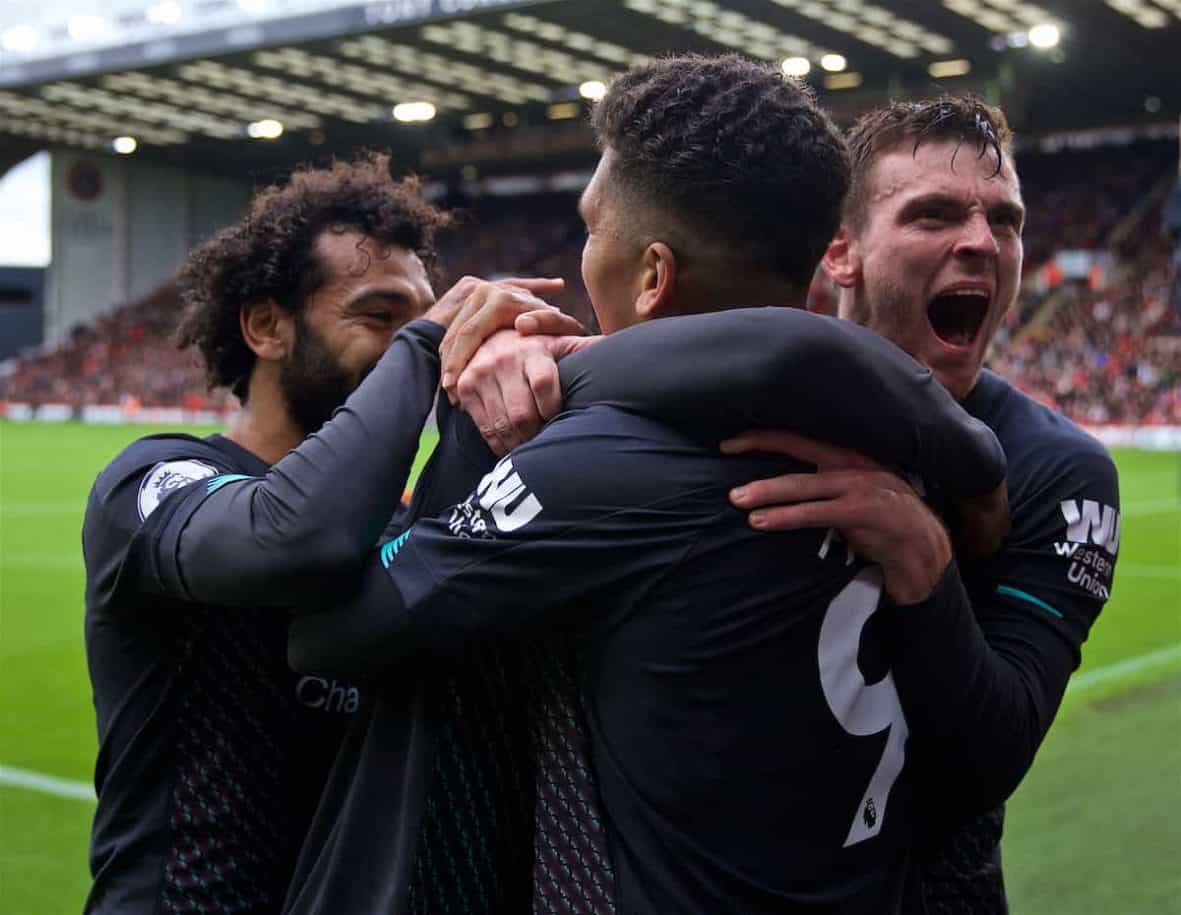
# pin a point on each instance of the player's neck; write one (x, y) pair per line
(264, 426)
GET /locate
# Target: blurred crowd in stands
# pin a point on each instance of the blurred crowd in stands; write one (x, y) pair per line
(1102, 344)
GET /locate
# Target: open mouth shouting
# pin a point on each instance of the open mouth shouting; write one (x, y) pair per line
(956, 315)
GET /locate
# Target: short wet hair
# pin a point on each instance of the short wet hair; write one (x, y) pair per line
(965, 119)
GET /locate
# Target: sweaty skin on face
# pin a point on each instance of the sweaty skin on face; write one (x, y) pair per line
(936, 263)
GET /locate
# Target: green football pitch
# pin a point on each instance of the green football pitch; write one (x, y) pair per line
(1094, 830)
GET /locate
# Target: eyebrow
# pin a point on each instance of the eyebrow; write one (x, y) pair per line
(936, 198)
(396, 296)
(1014, 212)
(1006, 209)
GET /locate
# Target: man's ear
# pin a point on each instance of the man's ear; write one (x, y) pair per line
(658, 282)
(268, 329)
(842, 260)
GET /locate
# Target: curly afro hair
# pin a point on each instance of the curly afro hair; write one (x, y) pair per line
(734, 151)
(961, 118)
(271, 254)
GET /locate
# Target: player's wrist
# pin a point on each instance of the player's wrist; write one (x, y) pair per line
(917, 573)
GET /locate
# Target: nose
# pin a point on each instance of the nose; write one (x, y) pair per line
(976, 239)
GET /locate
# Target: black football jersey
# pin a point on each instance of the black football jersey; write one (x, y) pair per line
(1039, 595)
(514, 609)
(212, 751)
(696, 627)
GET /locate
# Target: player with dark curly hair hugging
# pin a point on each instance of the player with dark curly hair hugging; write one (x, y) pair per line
(213, 753)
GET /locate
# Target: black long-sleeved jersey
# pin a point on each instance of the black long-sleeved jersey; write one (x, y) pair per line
(1007, 635)
(1003, 667)
(983, 664)
(693, 636)
(212, 752)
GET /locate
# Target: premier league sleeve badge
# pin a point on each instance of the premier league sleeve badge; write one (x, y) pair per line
(167, 477)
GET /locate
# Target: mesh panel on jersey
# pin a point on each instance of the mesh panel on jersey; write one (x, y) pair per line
(512, 815)
(472, 855)
(962, 875)
(571, 869)
(233, 824)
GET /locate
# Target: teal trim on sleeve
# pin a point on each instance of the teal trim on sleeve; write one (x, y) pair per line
(391, 549)
(218, 482)
(1006, 591)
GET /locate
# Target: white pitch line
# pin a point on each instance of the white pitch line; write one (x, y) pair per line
(1125, 668)
(11, 777)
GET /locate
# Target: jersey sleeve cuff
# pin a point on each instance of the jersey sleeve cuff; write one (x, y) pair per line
(920, 622)
(425, 330)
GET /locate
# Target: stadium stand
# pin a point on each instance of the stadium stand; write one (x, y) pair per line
(1101, 344)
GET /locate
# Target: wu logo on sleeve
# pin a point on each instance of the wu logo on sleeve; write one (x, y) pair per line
(1092, 523)
(1092, 540)
(503, 494)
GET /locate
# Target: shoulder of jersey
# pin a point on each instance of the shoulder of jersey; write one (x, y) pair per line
(1057, 433)
(167, 462)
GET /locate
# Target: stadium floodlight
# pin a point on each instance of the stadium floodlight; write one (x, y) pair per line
(943, 69)
(266, 129)
(124, 146)
(847, 80)
(20, 39)
(478, 121)
(833, 63)
(86, 28)
(411, 112)
(593, 89)
(1044, 36)
(797, 66)
(563, 111)
(167, 12)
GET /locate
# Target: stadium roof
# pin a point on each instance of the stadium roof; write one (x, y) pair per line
(201, 82)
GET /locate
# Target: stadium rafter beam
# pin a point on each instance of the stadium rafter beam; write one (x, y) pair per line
(250, 82)
(449, 71)
(362, 81)
(186, 97)
(496, 70)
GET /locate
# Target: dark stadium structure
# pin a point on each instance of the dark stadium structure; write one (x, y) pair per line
(504, 76)
(499, 94)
